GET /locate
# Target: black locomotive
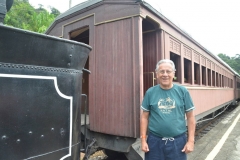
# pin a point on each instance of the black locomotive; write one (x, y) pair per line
(40, 94)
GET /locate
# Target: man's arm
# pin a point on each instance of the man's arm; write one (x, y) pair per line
(143, 130)
(189, 147)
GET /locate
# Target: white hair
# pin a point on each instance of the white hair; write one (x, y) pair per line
(165, 61)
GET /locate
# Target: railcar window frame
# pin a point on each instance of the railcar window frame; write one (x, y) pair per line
(196, 73)
(223, 81)
(209, 77)
(220, 80)
(227, 82)
(187, 71)
(177, 61)
(238, 85)
(213, 78)
(204, 80)
(217, 79)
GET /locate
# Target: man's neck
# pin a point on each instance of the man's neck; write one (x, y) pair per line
(166, 87)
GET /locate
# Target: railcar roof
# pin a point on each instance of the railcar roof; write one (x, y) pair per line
(144, 3)
(78, 7)
(187, 35)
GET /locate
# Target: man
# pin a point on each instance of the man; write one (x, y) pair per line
(163, 115)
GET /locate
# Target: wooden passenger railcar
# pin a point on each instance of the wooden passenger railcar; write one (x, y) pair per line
(128, 38)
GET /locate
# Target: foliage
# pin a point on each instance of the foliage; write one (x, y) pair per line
(23, 15)
(54, 11)
(233, 62)
(19, 14)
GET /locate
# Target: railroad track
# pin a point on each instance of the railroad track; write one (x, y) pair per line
(204, 127)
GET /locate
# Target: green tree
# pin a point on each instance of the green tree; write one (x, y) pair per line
(237, 63)
(233, 62)
(23, 15)
(40, 21)
(54, 11)
(19, 14)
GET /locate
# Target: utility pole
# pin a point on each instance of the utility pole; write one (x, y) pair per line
(70, 4)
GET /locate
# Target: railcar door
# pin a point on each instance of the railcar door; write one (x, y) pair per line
(151, 52)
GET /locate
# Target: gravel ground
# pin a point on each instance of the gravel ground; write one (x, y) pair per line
(99, 155)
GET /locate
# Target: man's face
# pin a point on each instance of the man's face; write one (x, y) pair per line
(165, 75)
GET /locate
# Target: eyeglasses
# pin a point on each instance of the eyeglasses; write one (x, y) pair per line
(163, 71)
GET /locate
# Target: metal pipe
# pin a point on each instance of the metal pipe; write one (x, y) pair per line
(214, 116)
(85, 114)
(153, 79)
(85, 122)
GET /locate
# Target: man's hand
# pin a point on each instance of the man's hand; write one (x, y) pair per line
(145, 146)
(189, 147)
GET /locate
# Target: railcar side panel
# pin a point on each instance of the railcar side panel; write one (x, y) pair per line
(118, 64)
(207, 99)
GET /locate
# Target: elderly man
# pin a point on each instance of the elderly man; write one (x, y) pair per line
(163, 115)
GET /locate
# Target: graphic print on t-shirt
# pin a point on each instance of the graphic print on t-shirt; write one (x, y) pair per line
(166, 105)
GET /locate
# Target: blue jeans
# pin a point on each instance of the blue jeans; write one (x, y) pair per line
(166, 148)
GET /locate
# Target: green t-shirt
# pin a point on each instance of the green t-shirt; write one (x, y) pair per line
(167, 110)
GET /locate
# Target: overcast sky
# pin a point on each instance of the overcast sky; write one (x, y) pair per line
(215, 24)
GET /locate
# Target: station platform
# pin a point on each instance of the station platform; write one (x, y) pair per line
(222, 142)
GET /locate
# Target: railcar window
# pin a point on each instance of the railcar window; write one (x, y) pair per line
(213, 78)
(217, 80)
(196, 73)
(209, 77)
(238, 84)
(187, 71)
(176, 59)
(227, 83)
(203, 75)
(220, 80)
(223, 81)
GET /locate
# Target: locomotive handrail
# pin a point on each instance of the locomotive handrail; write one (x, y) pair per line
(85, 121)
(86, 70)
